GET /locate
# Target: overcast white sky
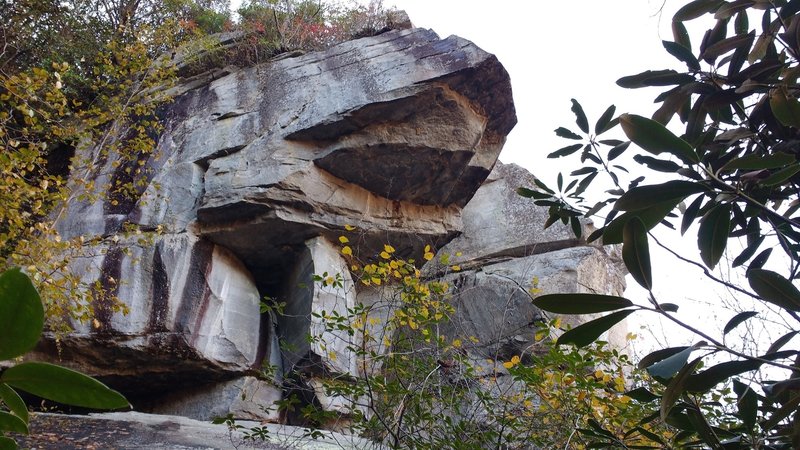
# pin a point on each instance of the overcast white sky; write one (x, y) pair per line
(555, 51)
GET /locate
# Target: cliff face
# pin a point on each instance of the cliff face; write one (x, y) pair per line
(256, 174)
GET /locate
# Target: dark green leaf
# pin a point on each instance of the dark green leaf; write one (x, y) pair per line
(711, 377)
(650, 435)
(669, 307)
(683, 54)
(654, 78)
(679, 420)
(21, 314)
(595, 235)
(676, 387)
(782, 175)
(738, 319)
(612, 233)
(642, 395)
(636, 253)
(789, 9)
(542, 186)
(580, 303)
(62, 385)
(565, 151)
(781, 341)
(781, 413)
(776, 389)
(605, 120)
(695, 9)
(7, 443)
(759, 261)
(530, 193)
(583, 171)
(747, 403)
(703, 428)
(565, 133)
(12, 423)
(712, 237)
(656, 164)
(785, 108)
(748, 252)
(580, 117)
(618, 150)
(586, 333)
(681, 34)
(691, 213)
(553, 218)
(577, 228)
(655, 138)
(727, 10)
(643, 197)
(726, 45)
(754, 161)
(774, 288)
(667, 362)
(13, 401)
(585, 183)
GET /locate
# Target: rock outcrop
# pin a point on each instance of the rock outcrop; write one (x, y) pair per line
(258, 171)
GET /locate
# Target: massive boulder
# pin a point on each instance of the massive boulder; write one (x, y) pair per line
(256, 174)
(256, 170)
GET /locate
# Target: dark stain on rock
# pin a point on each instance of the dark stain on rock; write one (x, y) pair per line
(105, 293)
(195, 293)
(159, 294)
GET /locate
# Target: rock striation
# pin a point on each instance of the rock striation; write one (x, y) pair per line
(258, 170)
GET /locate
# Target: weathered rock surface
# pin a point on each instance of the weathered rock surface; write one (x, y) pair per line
(137, 431)
(258, 171)
(493, 303)
(190, 301)
(499, 224)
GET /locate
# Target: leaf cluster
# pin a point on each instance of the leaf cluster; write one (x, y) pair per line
(21, 325)
(731, 174)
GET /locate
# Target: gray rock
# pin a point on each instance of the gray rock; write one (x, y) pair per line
(138, 431)
(307, 302)
(499, 224)
(493, 303)
(256, 174)
(254, 169)
(243, 398)
(193, 314)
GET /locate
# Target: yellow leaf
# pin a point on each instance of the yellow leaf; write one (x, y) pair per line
(427, 248)
(428, 256)
(388, 248)
(457, 343)
(455, 268)
(346, 250)
(349, 227)
(514, 361)
(376, 281)
(385, 255)
(343, 239)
